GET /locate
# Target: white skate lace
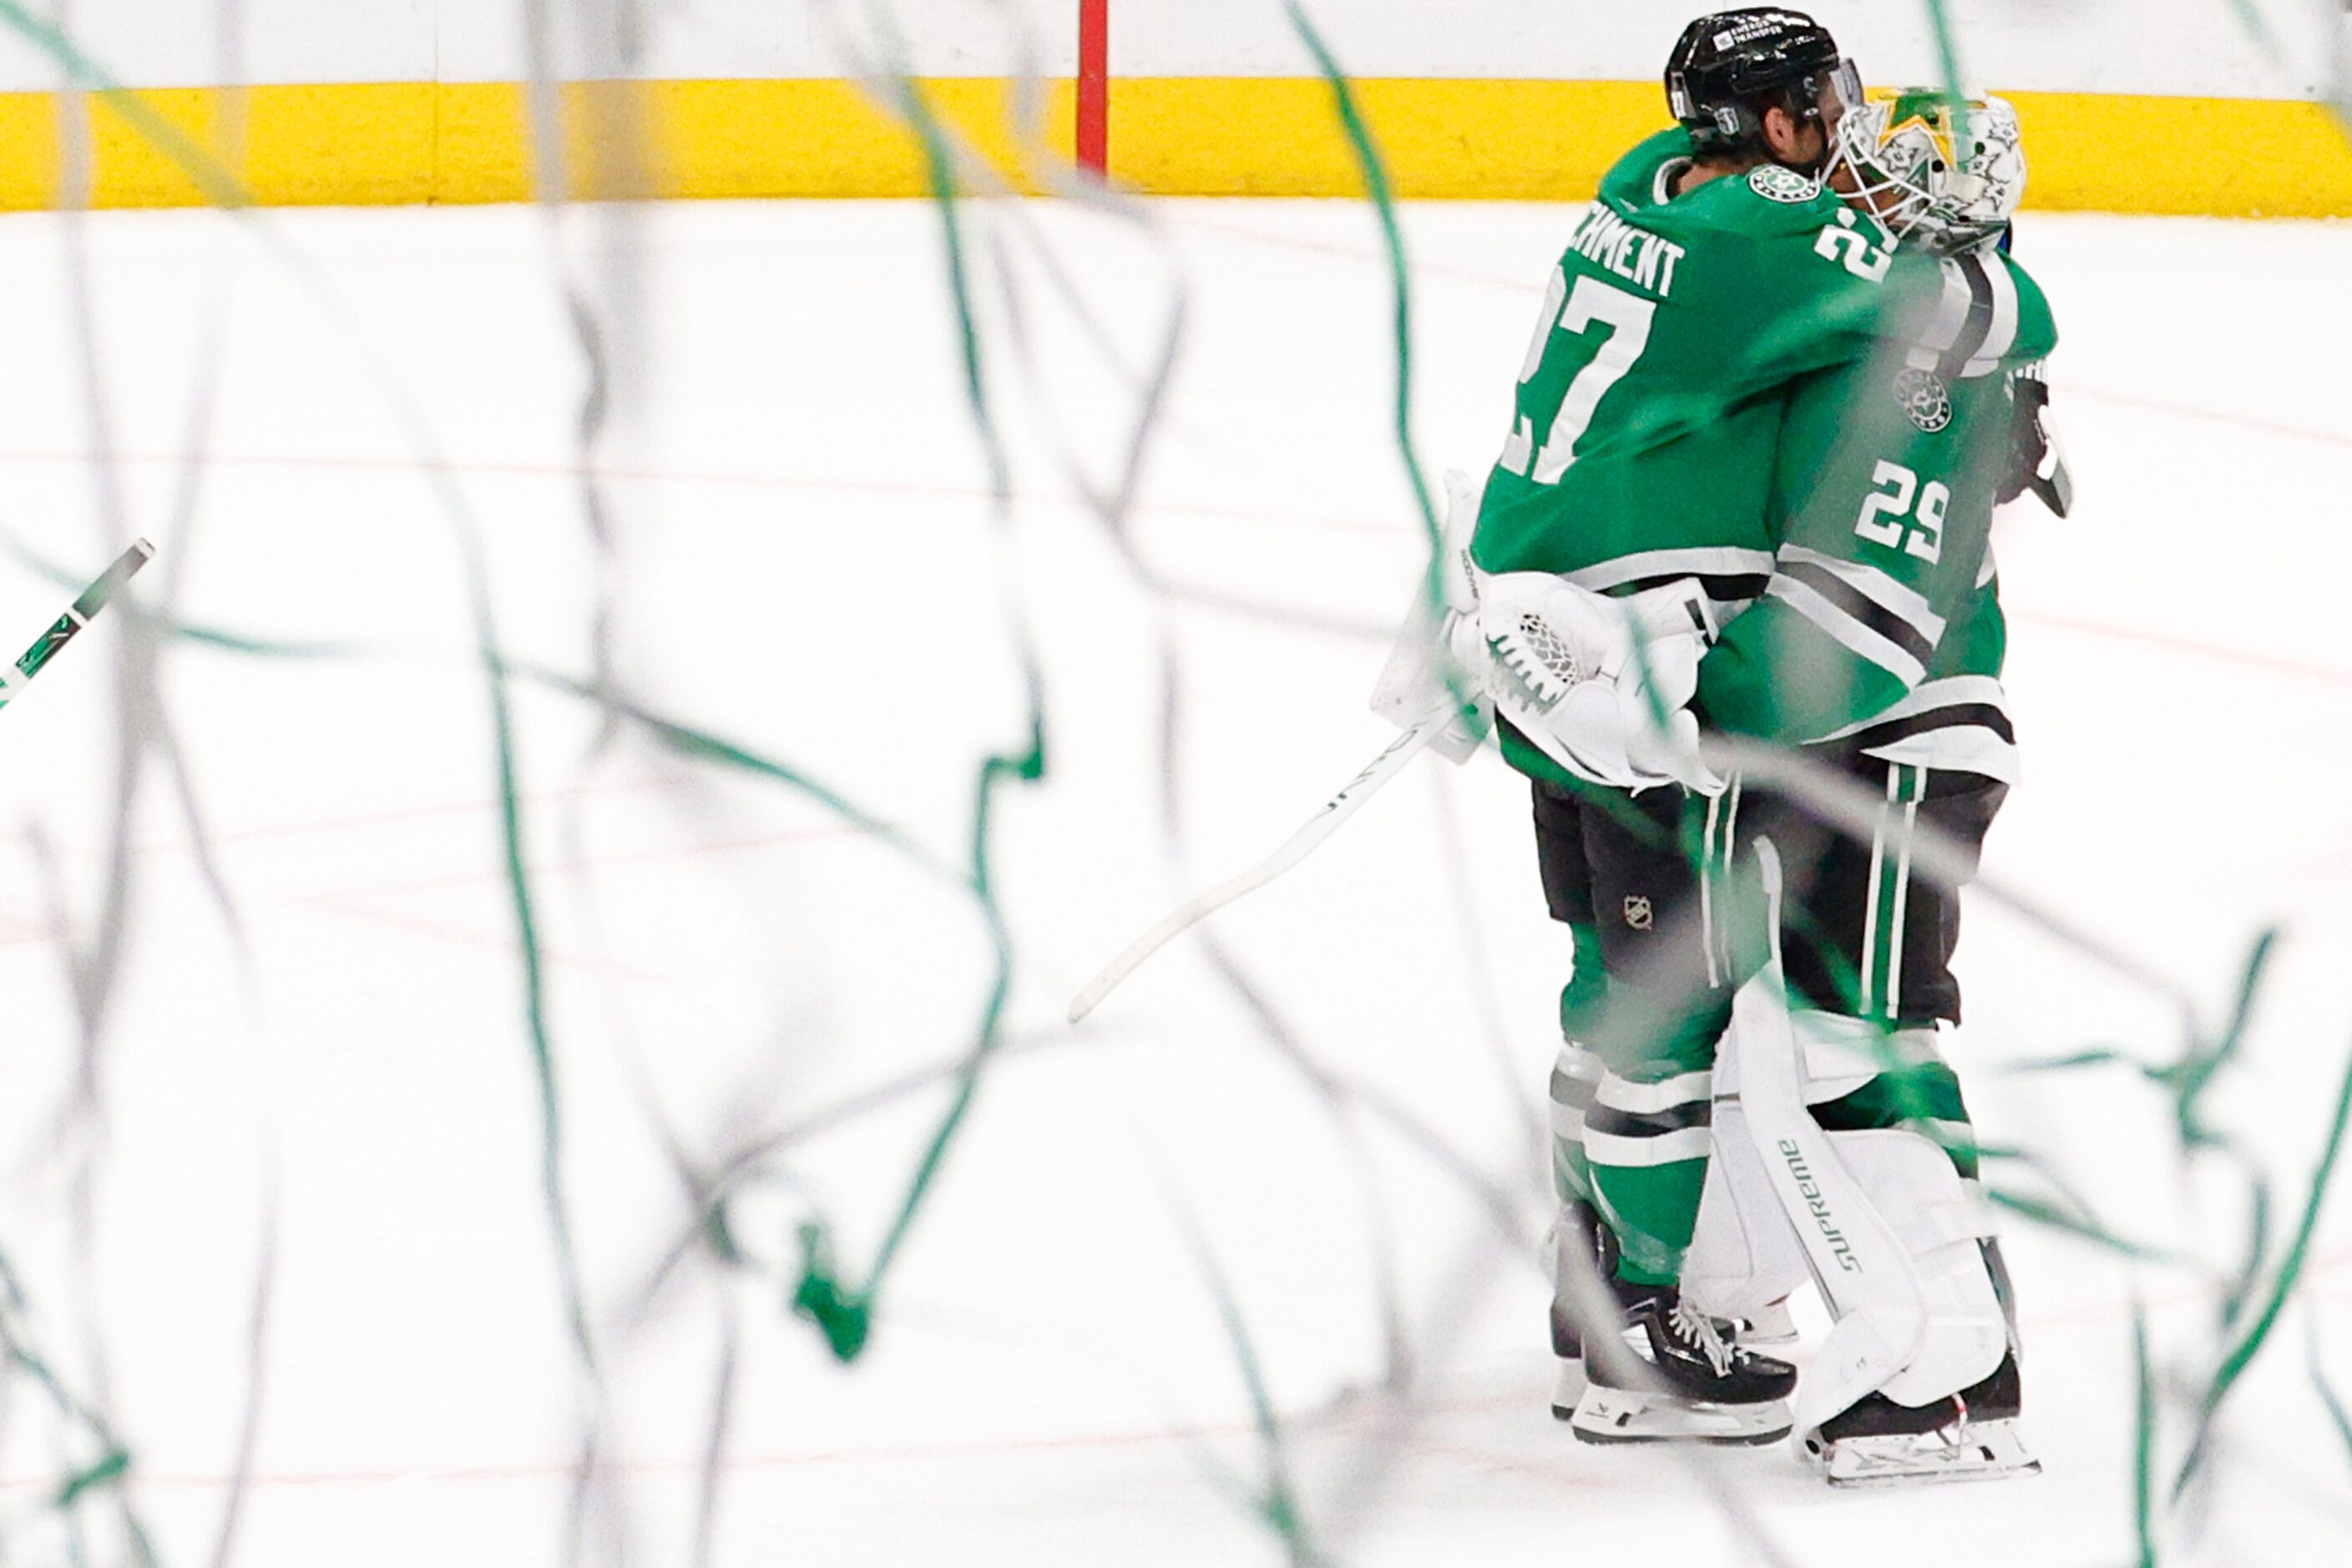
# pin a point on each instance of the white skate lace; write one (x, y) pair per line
(1695, 1328)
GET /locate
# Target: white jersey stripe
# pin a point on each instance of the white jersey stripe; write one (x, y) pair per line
(1698, 561)
(1666, 1149)
(1951, 691)
(1907, 604)
(1944, 327)
(1844, 629)
(1903, 894)
(1650, 1099)
(1730, 842)
(1706, 894)
(1870, 906)
(2002, 336)
(1961, 749)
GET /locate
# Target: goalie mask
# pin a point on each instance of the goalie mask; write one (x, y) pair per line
(1942, 174)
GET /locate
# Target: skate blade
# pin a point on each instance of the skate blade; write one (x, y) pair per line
(1981, 1451)
(1568, 1388)
(1628, 1415)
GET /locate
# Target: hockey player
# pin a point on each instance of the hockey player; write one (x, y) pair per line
(1702, 444)
(1712, 274)
(1876, 647)
(1876, 641)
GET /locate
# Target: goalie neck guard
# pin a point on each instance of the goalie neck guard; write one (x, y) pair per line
(1727, 68)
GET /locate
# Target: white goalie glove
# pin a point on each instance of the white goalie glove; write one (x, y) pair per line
(1599, 685)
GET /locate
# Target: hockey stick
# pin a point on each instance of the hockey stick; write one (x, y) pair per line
(77, 614)
(1318, 827)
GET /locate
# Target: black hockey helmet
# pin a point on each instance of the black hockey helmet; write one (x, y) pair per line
(1727, 68)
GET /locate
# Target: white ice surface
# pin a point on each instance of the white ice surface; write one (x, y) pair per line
(804, 564)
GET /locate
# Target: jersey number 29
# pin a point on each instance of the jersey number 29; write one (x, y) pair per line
(1882, 511)
(1628, 318)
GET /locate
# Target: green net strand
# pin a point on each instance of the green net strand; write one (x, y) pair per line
(2250, 1341)
(145, 734)
(839, 1301)
(1277, 1501)
(2337, 1417)
(1949, 76)
(2145, 1424)
(219, 185)
(1738, 1513)
(2189, 1078)
(2083, 1229)
(842, 1312)
(2257, 27)
(105, 1476)
(1373, 170)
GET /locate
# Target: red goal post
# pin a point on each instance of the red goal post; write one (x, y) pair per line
(1094, 85)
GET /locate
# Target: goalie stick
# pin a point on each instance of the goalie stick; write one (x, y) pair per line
(1337, 810)
(77, 614)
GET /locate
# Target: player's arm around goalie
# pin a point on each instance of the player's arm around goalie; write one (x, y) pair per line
(1885, 483)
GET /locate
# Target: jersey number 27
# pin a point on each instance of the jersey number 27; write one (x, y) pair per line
(1628, 318)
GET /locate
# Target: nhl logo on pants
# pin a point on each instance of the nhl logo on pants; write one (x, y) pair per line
(1637, 911)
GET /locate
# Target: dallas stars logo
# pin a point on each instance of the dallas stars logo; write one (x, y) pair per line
(1925, 399)
(1776, 183)
(1929, 113)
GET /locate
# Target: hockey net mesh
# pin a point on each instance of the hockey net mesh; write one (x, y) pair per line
(713, 871)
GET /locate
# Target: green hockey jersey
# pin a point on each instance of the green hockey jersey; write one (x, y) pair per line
(1683, 410)
(1649, 402)
(1880, 628)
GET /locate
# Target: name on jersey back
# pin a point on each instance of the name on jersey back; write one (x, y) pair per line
(1640, 257)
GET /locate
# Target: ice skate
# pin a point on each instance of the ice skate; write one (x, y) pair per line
(1970, 1436)
(1704, 1388)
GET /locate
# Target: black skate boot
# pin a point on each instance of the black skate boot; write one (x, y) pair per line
(1970, 1436)
(1579, 1240)
(1688, 1380)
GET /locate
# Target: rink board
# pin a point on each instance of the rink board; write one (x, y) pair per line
(379, 144)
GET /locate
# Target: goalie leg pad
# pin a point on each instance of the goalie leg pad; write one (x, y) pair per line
(1743, 1257)
(1861, 1265)
(1942, 1224)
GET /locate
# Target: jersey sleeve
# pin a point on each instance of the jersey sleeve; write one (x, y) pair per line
(1883, 494)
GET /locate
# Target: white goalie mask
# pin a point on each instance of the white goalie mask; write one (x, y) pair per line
(1942, 174)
